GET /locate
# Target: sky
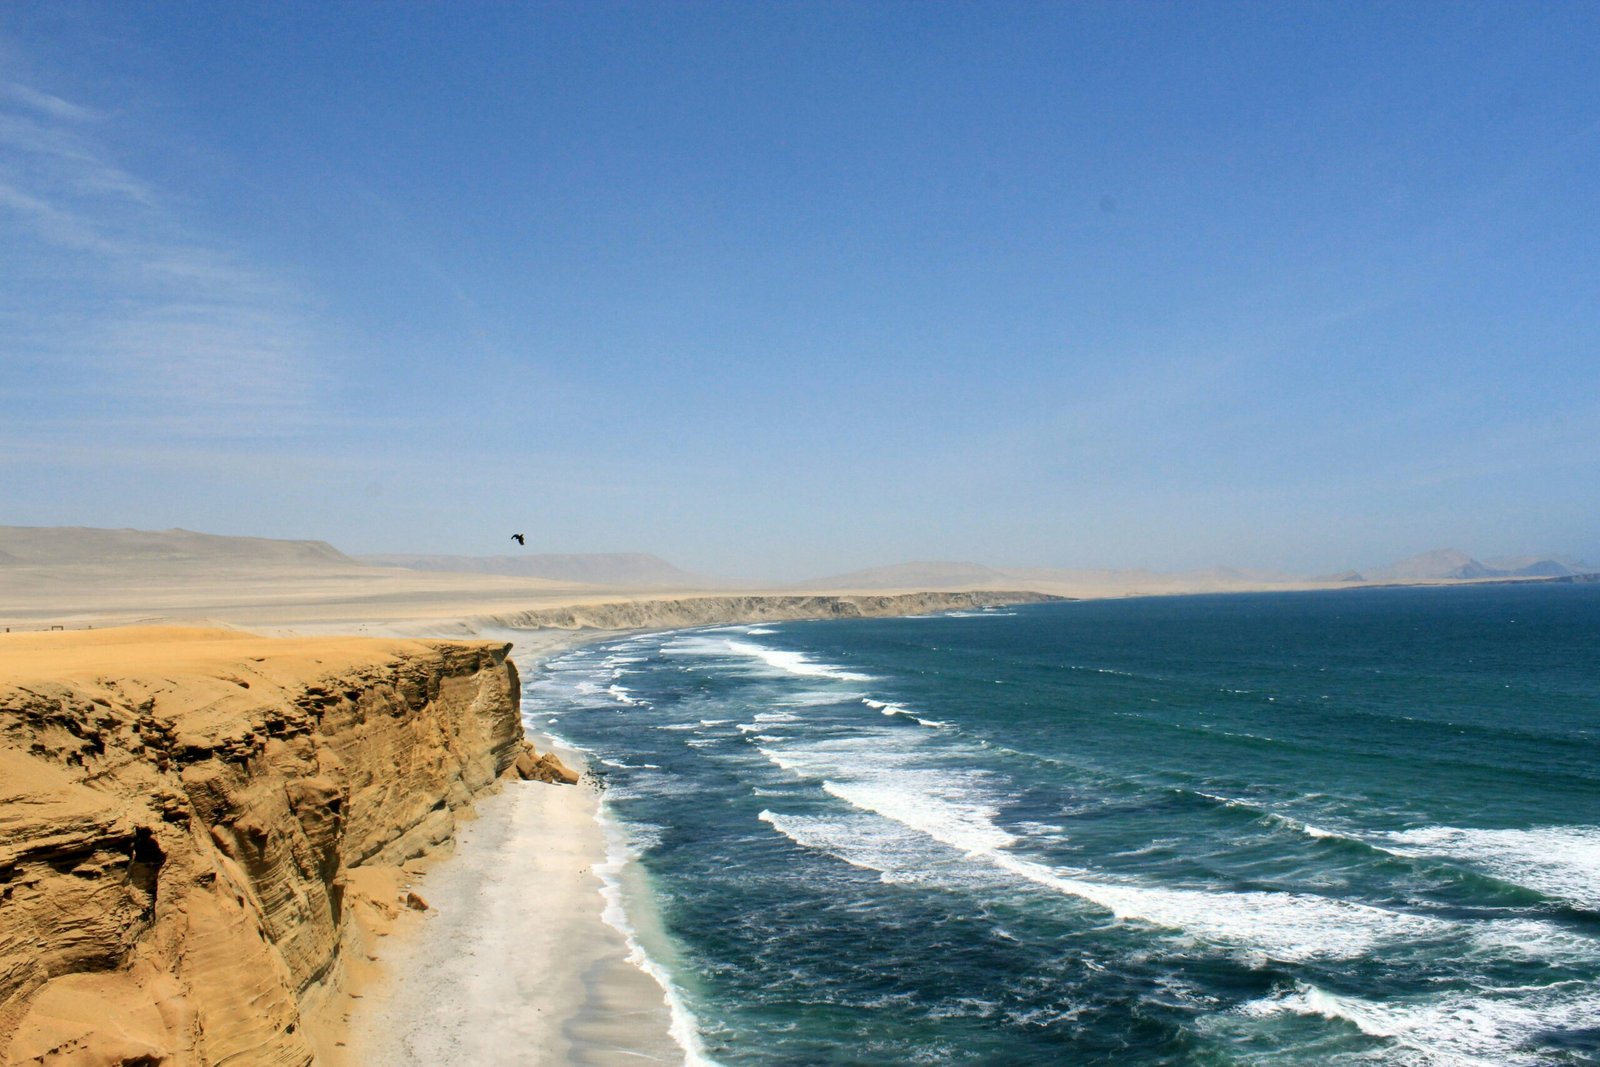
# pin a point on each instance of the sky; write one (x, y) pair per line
(780, 290)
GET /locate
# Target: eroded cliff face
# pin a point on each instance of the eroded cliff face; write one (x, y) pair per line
(717, 610)
(179, 815)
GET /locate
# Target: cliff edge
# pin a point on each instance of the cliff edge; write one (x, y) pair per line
(189, 819)
(760, 607)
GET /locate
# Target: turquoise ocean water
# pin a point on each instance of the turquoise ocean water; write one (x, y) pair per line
(1348, 827)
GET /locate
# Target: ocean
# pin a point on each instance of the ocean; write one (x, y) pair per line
(1344, 827)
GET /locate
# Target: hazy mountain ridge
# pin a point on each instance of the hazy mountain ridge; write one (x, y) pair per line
(953, 575)
(1451, 564)
(1539, 566)
(47, 546)
(47, 553)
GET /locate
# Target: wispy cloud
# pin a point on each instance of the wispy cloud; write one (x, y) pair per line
(116, 311)
(46, 104)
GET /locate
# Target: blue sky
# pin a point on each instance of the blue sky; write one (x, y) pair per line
(785, 289)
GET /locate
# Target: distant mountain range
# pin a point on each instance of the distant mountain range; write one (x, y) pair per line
(49, 546)
(962, 575)
(43, 550)
(1445, 564)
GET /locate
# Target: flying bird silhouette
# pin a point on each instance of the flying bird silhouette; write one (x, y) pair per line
(519, 539)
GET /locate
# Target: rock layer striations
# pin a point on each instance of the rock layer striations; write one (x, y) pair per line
(718, 610)
(182, 816)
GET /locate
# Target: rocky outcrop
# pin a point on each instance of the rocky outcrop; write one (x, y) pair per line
(714, 610)
(533, 767)
(179, 822)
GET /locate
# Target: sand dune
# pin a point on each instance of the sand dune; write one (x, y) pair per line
(75, 578)
(627, 570)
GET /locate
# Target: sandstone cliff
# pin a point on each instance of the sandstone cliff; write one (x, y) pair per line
(183, 816)
(714, 610)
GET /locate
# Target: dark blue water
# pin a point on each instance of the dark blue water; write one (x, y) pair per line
(1326, 828)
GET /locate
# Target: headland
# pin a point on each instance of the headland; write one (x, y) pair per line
(266, 803)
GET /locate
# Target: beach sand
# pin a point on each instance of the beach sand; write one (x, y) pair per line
(513, 963)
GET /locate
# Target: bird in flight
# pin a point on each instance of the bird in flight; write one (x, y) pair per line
(519, 539)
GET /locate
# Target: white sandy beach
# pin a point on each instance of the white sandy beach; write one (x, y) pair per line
(513, 963)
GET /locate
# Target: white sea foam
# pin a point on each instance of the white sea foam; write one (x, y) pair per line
(759, 631)
(778, 659)
(900, 709)
(1559, 861)
(965, 827)
(624, 766)
(684, 1029)
(1488, 1028)
(872, 844)
(1534, 939)
(1279, 819)
(621, 695)
(1283, 926)
(813, 698)
(951, 809)
(763, 791)
(795, 662)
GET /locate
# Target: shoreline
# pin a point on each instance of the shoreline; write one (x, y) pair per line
(525, 954)
(491, 972)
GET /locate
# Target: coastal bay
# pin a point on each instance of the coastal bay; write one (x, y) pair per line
(511, 921)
